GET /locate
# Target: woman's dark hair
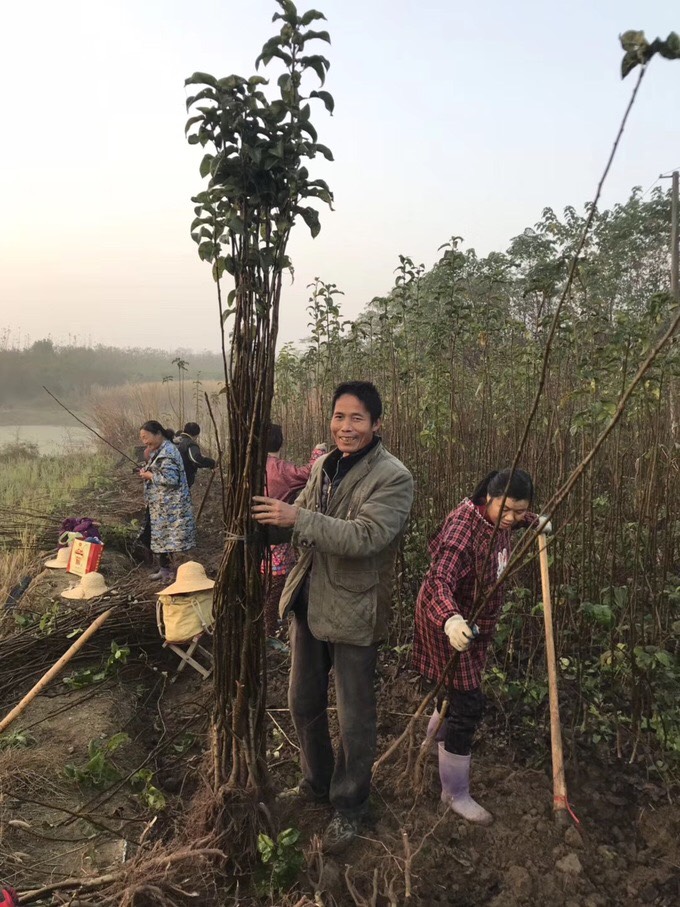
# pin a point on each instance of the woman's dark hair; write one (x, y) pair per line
(274, 438)
(193, 429)
(495, 485)
(364, 391)
(155, 428)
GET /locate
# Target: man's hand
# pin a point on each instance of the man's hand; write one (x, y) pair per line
(272, 512)
(459, 633)
(145, 474)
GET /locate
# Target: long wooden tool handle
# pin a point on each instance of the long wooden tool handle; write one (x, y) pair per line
(54, 670)
(89, 428)
(559, 782)
(205, 496)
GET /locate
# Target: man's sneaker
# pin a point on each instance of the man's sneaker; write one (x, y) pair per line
(340, 833)
(303, 792)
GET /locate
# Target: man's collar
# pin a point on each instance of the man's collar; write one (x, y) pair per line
(335, 459)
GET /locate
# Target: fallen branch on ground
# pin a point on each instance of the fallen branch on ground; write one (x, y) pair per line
(159, 862)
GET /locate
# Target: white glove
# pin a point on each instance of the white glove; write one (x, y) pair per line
(459, 633)
(544, 525)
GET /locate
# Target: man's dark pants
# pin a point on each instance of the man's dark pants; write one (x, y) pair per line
(347, 778)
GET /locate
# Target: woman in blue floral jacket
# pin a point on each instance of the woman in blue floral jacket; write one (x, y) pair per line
(169, 513)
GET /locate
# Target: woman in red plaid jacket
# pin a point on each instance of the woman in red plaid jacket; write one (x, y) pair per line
(467, 560)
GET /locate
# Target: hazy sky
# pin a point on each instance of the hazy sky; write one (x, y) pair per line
(451, 118)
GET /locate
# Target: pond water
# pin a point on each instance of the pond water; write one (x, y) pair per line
(50, 439)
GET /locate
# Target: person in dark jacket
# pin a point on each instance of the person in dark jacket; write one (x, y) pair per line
(347, 524)
(193, 459)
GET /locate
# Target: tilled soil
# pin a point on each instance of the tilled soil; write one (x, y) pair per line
(625, 851)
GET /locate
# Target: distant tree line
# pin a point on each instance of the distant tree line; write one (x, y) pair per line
(72, 371)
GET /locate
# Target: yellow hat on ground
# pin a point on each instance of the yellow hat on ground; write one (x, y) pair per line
(60, 562)
(190, 578)
(90, 586)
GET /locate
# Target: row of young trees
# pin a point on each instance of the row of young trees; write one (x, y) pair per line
(457, 352)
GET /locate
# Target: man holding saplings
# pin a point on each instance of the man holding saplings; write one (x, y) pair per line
(346, 525)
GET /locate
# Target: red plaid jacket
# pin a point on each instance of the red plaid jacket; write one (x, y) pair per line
(458, 553)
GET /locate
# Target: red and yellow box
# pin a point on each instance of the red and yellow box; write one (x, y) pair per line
(85, 557)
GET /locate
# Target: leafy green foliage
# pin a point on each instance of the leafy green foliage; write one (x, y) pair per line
(600, 613)
(639, 51)
(281, 860)
(185, 742)
(24, 619)
(257, 175)
(121, 537)
(88, 676)
(44, 623)
(16, 739)
(146, 792)
(99, 771)
(456, 352)
(48, 620)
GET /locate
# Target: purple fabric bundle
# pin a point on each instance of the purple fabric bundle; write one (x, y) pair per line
(83, 526)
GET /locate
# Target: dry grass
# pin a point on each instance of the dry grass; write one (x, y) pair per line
(118, 412)
(14, 565)
(34, 488)
(26, 769)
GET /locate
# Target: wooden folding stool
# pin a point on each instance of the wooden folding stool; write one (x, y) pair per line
(187, 656)
(186, 651)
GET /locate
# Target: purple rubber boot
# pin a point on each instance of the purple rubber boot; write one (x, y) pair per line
(454, 774)
(432, 732)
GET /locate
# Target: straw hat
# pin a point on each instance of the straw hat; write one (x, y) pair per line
(190, 578)
(60, 562)
(90, 586)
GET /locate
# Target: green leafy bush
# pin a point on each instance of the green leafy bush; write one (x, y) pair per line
(100, 771)
(17, 739)
(282, 860)
(88, 676)
(146, 792)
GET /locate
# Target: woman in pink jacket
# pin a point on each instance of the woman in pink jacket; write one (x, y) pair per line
(469, 555)
(285, 481)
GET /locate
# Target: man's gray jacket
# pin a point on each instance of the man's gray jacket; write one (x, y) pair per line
(350, 549)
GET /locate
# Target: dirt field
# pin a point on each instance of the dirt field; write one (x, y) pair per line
(624, 852)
